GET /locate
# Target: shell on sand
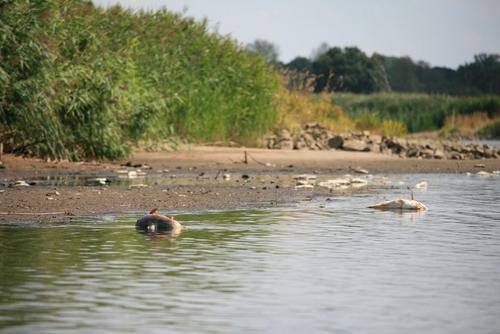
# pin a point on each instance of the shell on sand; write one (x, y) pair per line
(400, 204)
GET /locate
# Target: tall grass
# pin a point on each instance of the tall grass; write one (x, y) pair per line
(297, 105)
(418, 112)
(80, 82)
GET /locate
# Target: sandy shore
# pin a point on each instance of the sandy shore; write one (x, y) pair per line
(192, 181)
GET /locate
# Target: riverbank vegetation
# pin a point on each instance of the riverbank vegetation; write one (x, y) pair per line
(83, 82)
(420, 112)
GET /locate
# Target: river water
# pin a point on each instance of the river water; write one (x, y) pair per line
(324, 266)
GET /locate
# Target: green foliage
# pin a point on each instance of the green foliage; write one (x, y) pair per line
(483, 74)
(392, 128)
(351, 70)
(491, 131)
(345, 70)
(418, 112)
(79, 82)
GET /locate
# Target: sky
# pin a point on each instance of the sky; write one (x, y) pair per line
(440, 32)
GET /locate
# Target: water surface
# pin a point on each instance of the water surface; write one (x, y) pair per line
(342, 268)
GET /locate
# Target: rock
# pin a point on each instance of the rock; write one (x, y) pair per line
(427, 153)
(355, 145)
(456, 156)
(53, 193)
(483, 173)
(438, 154)
(226, 177)
(376, 139)
(284, 144)
(413, 152)
(335, 142)
(285, 134)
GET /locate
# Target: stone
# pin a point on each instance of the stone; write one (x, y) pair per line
(284, 144)
(335, 142)
(438, 154)
(355, 145)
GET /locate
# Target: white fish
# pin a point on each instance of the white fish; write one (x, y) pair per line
(400, 204)
(304, 186)
(21, 183)
(421, 185)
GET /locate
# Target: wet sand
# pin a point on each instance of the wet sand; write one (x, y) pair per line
(198, 183)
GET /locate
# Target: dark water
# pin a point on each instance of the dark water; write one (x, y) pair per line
(338, 269)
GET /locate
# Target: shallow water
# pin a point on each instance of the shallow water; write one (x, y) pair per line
(494, 143)
(343, 268)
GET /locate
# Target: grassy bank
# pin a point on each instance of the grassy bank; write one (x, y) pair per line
(80, 82)
(417, 112)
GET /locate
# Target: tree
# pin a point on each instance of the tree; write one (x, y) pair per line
(265, 49)
(346, 70)
(483, 73)
(300, 64)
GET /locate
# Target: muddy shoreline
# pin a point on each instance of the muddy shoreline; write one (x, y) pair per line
(194, 181)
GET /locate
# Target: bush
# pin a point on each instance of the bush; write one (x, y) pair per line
(80, 82)
(491, 131)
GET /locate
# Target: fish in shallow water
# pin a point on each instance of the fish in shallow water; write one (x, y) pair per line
(400, 204)
(156, 222)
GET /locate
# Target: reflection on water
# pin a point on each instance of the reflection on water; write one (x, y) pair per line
(343, 268)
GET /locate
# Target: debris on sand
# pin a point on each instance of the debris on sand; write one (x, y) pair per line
(21, 183)
(358, 170)
(53, 193)
(304, 186)
(344, 183)
(138, 186)
(400, 204)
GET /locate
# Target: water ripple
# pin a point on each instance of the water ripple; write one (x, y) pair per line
(340, 267)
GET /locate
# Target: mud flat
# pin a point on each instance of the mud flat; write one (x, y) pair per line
(193, 178)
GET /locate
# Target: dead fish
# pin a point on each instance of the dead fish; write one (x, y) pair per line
(400, 204)
(156, 222)
(358, 170)
(421, 185)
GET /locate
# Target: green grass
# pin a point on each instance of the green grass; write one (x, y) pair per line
(418, 112)
(491, 131)
(80, 82)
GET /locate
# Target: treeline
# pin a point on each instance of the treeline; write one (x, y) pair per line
(351, 70)
(81, 82)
